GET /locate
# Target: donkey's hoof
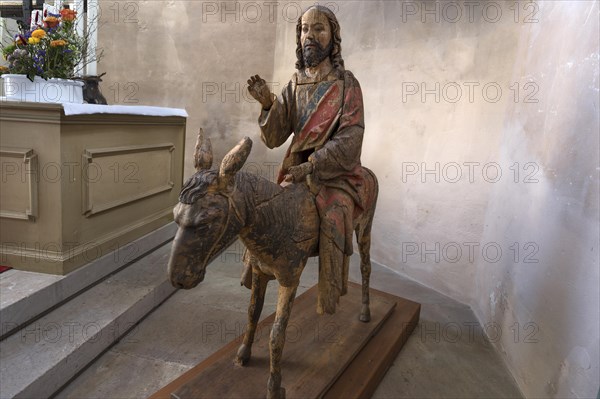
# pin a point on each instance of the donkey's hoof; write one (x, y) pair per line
(277, 394)
(243, 355)
(365, 314)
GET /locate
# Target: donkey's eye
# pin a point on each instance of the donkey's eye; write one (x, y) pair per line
(205, 220)
(202, 228)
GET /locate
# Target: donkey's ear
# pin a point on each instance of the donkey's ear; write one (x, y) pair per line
(233, 161)
(203, 157)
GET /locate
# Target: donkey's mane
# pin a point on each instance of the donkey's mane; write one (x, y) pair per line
(196, 186)
(261, 188)
(258, 188)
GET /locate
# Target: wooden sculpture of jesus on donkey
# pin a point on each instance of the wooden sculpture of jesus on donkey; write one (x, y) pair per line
(323, 193)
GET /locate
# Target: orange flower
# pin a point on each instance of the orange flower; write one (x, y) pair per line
(38, 33)
(67, 14)
(56, 43)
(51, 22)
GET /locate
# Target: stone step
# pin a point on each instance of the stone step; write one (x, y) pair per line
(24, 296)
(41, 357)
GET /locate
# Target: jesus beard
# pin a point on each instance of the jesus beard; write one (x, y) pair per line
(313, 56)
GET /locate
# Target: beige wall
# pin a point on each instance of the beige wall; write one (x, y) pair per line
(193, 55)
(539, 297)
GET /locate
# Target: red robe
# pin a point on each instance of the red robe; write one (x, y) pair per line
(327, 120)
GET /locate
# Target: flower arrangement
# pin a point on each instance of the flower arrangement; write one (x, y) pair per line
(54, 50)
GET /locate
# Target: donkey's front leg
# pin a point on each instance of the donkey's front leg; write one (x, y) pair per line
(259, 287)
(285, 300)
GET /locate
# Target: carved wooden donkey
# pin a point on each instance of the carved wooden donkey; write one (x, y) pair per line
(279, 226)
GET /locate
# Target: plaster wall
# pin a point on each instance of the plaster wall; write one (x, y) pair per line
(552, 303)
(195, 55)
(481, 125)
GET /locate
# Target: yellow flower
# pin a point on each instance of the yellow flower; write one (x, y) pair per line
(3, 69)
(56, 43)
(33, 40)
(38, 33)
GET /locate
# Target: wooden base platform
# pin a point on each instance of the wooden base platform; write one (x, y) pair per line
(330, 356)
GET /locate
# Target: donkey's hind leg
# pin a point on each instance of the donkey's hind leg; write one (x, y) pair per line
(363, 237)
(259, 287)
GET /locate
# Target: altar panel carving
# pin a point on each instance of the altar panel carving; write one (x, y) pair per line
(19, 194)
(117, 176)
